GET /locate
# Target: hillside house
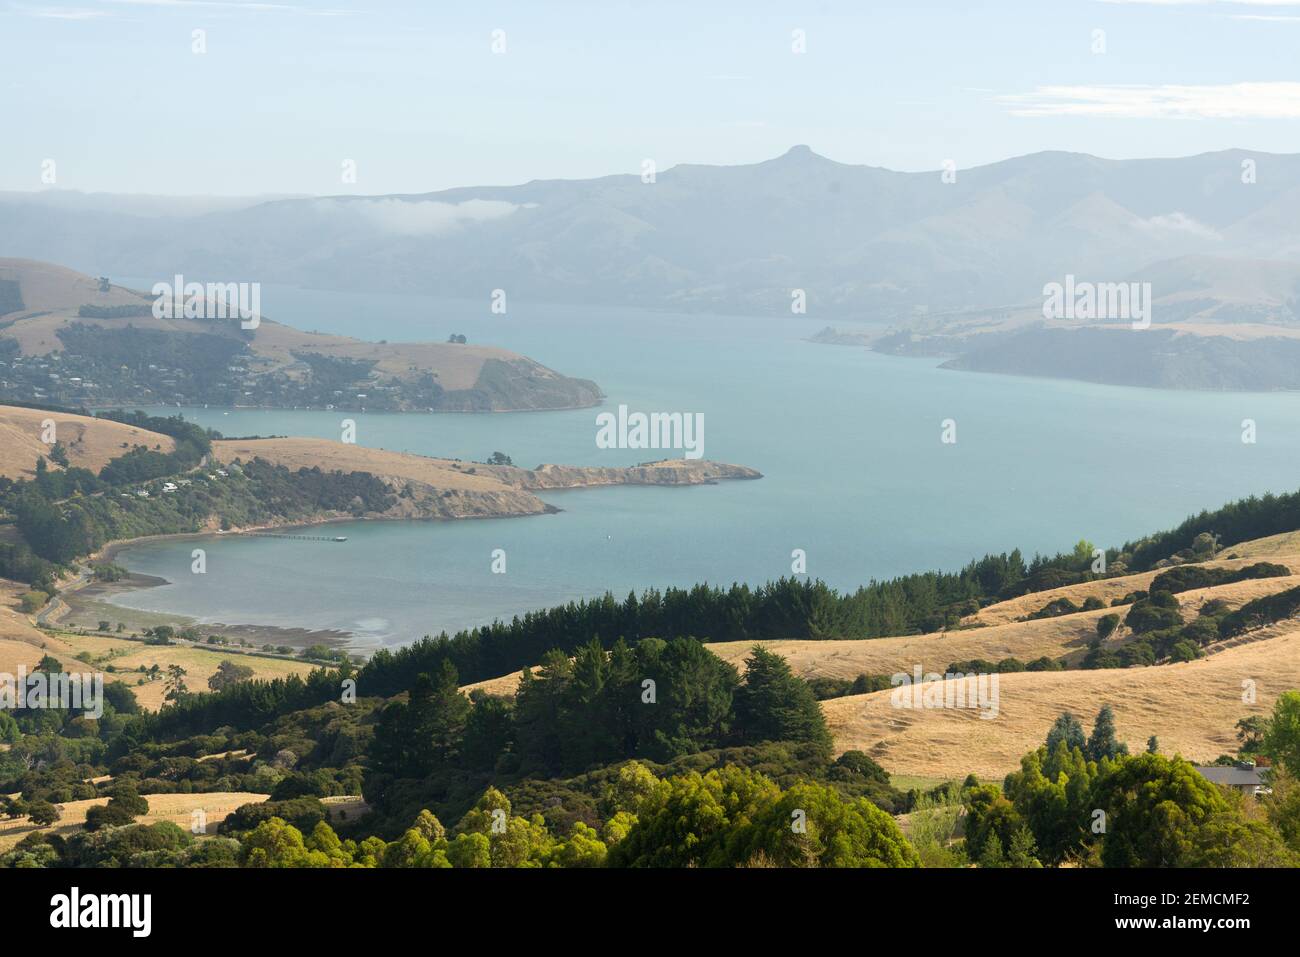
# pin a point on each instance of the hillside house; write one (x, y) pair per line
(1242, 776)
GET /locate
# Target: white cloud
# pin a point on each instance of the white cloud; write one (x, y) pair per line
(1269, 100)
(421, 218)
(1179, 223)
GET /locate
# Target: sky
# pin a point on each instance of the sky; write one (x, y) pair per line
(112, 95)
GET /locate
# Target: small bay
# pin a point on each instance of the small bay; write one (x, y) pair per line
(848, 442)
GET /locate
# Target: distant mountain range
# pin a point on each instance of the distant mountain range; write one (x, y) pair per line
(955, 268)
(863, 242)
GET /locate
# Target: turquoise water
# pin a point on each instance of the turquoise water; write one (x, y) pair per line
(848, 442)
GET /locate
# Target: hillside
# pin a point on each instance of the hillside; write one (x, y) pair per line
(22, 645)
(446, 488)
(1191, 707)
(88, 441)
(70, 339)
(1212, 323)
(94, 652)
(175, 808)
(1178, 356)
(555, 756)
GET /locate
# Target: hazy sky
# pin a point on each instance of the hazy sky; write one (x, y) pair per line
(413, 92)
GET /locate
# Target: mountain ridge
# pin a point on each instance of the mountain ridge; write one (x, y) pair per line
(862, 241)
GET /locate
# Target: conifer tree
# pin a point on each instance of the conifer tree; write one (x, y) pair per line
(1103, 743)
(773, 704)
(1068, 729)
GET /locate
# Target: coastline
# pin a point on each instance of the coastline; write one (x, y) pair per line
(88, 602)
(953, 352)
(358, 410)
(91, 602)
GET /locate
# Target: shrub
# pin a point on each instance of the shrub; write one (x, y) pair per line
(1106, 625)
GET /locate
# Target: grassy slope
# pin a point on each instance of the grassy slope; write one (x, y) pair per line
(89, 442)
(445, 488)
(177, 808)
(200, 664)
(296, 452)
(1067, 635)
(20, 642)
(1192, 708)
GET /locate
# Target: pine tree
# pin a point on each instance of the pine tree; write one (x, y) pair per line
(1153, 745)
(590, 736)
(441, 718)
(539, 704)
(991, 856)
(1068, 729)
(695, 691)
(489, 732)
(1103, 743)
(773, 704)
(415, 739)
(1024, 850)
